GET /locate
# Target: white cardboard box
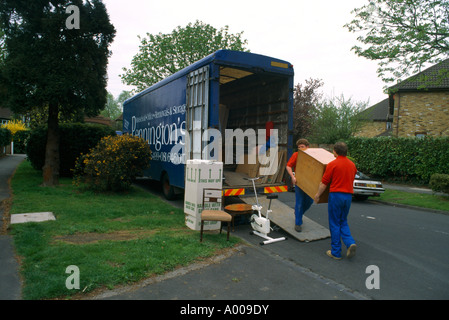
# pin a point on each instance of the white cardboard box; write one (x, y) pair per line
(200, 175)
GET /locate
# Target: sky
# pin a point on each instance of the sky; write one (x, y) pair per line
(308, 34)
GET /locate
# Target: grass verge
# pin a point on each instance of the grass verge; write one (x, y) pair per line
(113, 239)
(430, 201)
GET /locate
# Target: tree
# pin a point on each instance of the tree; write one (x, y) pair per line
(38, 116)
(161, 55)
(403, 35)
(122, 97)
(305, 99)
(336, 119)
(56, 63)
(112, 108)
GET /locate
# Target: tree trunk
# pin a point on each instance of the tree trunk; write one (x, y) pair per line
(51, 166)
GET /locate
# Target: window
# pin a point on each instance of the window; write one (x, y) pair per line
(420, 134)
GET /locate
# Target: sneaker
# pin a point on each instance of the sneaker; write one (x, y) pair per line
(298, 228)
(351, 250)
(329, 253)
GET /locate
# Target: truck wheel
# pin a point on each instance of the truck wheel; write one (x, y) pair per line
(167, 189)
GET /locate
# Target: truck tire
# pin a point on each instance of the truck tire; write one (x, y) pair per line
(167, 189)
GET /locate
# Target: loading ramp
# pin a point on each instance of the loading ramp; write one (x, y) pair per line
(284, 217)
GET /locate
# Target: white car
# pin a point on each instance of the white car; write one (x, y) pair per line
(364, 187)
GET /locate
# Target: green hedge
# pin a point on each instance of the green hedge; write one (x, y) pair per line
(75, 138)
(5, 137)
(405, 158)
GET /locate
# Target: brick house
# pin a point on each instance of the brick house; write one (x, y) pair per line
(377, 120)
(419, 105)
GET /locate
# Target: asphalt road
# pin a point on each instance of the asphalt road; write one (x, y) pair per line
(402, 250)
(409, 247)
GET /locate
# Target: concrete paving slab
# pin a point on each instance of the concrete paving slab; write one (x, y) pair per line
(32, 217)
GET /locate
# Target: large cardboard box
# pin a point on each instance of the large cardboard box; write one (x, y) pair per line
(200, 175)
(310, 167)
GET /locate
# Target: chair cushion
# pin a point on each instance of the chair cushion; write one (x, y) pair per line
(215, 215)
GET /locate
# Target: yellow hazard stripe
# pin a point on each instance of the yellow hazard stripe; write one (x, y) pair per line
(275, 189)
(234, 192)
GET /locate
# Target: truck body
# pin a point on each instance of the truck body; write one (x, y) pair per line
(225, 93)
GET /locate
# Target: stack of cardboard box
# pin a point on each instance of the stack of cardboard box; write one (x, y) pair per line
(200, 175)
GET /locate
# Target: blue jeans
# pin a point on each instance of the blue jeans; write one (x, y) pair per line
(338, 209)
(302, 204)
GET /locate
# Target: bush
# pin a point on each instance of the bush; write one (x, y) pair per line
(15, 126)
(75, 139)
(113, 163)
(405, 158)
(5, 137)
(21, 140)
(439, 182)
(19, 133)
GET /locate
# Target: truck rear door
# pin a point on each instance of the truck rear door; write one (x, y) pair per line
(197, 104)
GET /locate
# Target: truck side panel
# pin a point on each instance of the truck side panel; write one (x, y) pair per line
(158, 116)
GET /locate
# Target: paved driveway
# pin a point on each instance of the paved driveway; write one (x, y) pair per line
(10, 286)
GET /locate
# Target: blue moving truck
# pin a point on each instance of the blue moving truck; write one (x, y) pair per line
(227, 91)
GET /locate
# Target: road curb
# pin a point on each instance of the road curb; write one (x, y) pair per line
(400, 205)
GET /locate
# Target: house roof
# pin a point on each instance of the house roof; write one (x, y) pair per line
(433, 78)
(5, 113)
(377, 112)
(98, 120)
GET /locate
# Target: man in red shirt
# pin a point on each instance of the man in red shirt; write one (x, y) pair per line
(302, 200)
(340, 174)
